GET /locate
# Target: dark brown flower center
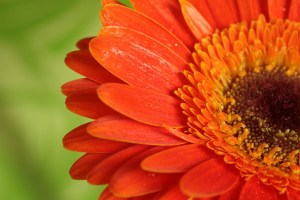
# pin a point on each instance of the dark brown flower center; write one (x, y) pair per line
(269, 105)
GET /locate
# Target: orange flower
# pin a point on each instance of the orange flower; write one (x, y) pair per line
(196, 99)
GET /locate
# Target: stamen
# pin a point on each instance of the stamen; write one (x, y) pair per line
(268, 103)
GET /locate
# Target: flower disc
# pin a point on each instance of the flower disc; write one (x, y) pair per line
(244, 98)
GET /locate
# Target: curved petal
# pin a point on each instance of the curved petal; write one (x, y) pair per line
(117, 15)
(77, 85)
(130, 180)
(234, 193)
(254, 189)
(223, 19)
(196, 22)
(293, 194)
(294, 13)
(172, 193)
(85, 164)
(251, 9)
(84, 43)
(204, 10)
(103, 172)
(168, 14)
(145, 197)
(214, 178)
(105, 2)
(278, 8)
(82, 62)
(79, 140)
(122, 129)
(137, 59)
(142, 105)
(177, 159)
(86, 103)
(107, 195)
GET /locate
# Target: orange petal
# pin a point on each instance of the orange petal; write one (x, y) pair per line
(143, 105)
(177, 159)
(168, 14)
(78, 85)
(145, 197)
(104, 2)
(277, 8)
(173, 193)
(283, 197)
(84, 43)
(203, 8)
(234, 193)
(254, 189)
(223, 19)
(294, 13)
(196, 22)
(127, 130)
(130, 180)
(116, 198)
(86, 103)
(138, 59)
(186, 137)
(83, 63)
(79, 140)
(85, 164)
(103, 172)
(117, 15)
(107, 195)
(210, 178)
(251, 9)
(293, 194)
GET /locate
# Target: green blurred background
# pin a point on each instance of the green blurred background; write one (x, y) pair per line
(35, 35)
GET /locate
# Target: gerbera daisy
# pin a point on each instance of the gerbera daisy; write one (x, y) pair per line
(190, 99)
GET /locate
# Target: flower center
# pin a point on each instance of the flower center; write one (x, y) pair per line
(243, 100)
(269, 104)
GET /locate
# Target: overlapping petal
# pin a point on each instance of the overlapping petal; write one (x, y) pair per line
(217, 8)
(254, 189)
(78, 85)
(138, 59)
(87, 103)
(143, 105)
(249, 10)
(116, 15)
(294, 10)
(120, 128)
(139, 142)
(84, 43)
(214, 178)
(82, 62)
(168, 14)
(79, 140)
(104, 171)
(173, 192)
(293, 194)
(278, 8)
(196, 22)
(177, 159)
(85, 164)
(130, 180)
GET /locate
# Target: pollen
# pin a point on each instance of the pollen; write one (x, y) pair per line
(268, 103)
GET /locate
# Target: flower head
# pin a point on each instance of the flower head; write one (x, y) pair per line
(190, 100)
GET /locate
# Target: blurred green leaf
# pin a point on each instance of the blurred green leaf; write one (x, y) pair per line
(35, 37)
